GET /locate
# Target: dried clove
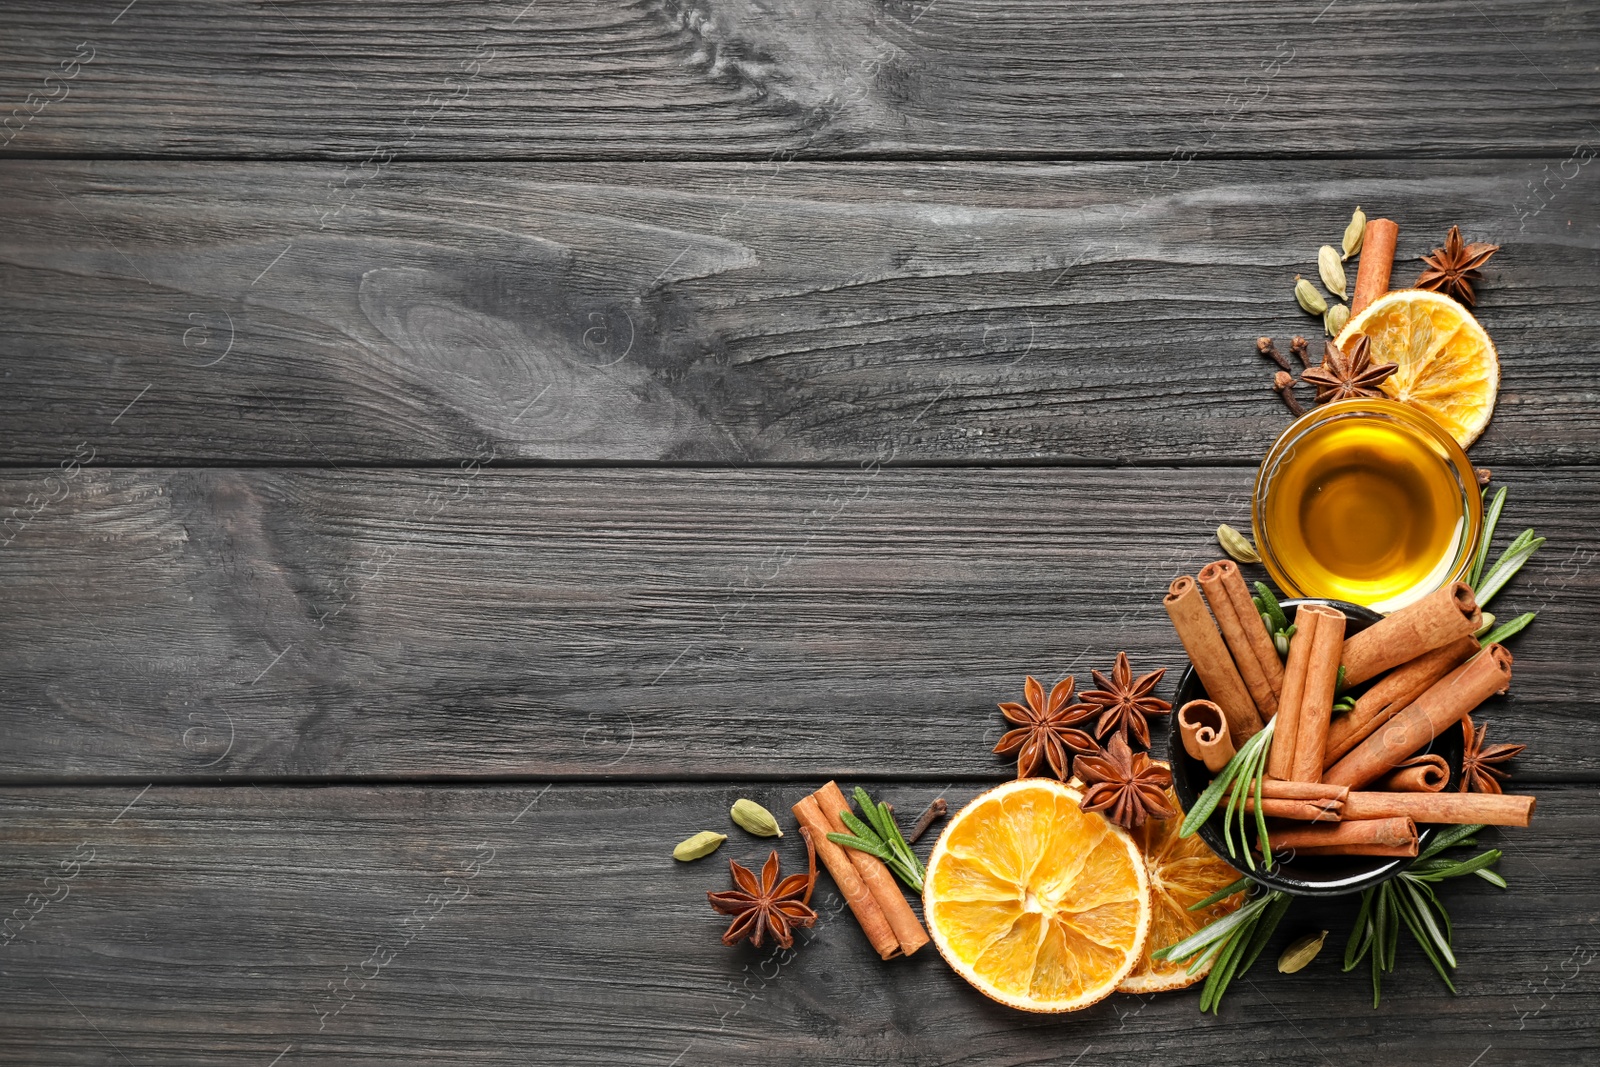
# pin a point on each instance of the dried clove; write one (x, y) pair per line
(1283, 382)
(934, 813)
(1299, 346)
(1265, 346)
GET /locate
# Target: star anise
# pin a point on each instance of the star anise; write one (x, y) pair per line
(1478, 771)
(1344, 374)
(1045, 729)
(1128, 786)
(1124, 703)
(768, 906)
(1453, 269)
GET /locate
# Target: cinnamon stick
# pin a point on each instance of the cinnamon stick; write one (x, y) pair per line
(1461, 809)
(1392, 693)
(1212, 662)
(1377, 262)
(1419, 774)
(1280, 760)
(1444, 615)
(1448, 701)
(1244, 633)
(1316, 701)
(1395, 836)
(873, 922)
(1205, 734)
(876, 874)
(1319, 791)
(1301, 810)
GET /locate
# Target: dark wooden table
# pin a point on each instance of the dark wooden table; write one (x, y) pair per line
(453, 451)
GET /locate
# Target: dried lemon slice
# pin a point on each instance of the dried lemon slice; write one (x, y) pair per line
(1448, 365)
(1038, 904)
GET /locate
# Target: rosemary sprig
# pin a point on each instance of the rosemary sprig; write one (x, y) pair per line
(1487, 583)
(879, 836)
(1231, 944)
(1506, 629)
(1243, 773)
(1409, 899)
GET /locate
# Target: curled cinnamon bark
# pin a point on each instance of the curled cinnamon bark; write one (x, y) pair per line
(875, 873)
(1316, 700)
(1212, 662)
(1439, 618)
(1395, 836)
(1420, 774)
(1245, 634)
(1377, 262)
(1462, 809)
(867, 912)
(1393, 692)
(1441, 707)
(1205, 734)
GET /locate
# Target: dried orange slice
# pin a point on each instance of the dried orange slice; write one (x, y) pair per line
(1182, 871)
(1038, 904)
(1448, 365)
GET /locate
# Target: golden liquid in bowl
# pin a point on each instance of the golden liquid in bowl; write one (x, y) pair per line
(1366, 510)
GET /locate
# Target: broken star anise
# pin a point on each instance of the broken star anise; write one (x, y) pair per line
(1046, 729)
(769, 906)
(1124, 703)
(1453, 269)
(1127, 786)
(1478, 771)
(1344, 374)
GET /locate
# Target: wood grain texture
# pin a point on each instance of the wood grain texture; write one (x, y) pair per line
(161, 313)
(639, 622)
(512, 925)
(665, 78)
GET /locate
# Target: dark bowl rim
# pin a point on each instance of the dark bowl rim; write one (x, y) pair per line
(1380, 870)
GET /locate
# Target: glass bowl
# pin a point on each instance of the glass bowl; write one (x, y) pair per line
(1411, 467)
(1305, 876)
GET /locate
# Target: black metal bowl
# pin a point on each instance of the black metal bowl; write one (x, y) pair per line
(1306, 876)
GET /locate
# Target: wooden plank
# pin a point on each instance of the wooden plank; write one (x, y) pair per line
(160, 313)
(381, 926)
(565, 78)
(640, 622)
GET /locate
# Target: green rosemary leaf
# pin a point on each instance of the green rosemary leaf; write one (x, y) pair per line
(1491, 519)
(1242, 883)
(1338, 681)
(1423, 909)
(1380, 925)
(1506, 629)
(1222, 974)
(1394, 928)
(860, 844)
(1206, 802)
(1264, 929)
(862, 830)
(1210, 932)
(1509, 563)
(1451, 838)
(1453, 869)
(1411, 922)
(1360, 939)
(1492, 877)
(1263, 842)
(1200, 962)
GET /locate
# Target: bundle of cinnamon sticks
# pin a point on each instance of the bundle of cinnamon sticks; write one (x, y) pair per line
(1358, 783)
(866, 881)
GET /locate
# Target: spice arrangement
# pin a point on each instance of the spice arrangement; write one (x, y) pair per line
(1312, 735)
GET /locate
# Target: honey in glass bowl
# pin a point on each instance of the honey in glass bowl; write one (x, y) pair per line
(1368, 501)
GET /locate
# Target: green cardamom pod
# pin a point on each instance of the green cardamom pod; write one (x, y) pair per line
(1301, 952)
(1328, 265)
(699, 846)
(753, 817)
(1334, 318)
(1309, 298)
(1236, 544)
(1355, 233)
(1487, 625)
